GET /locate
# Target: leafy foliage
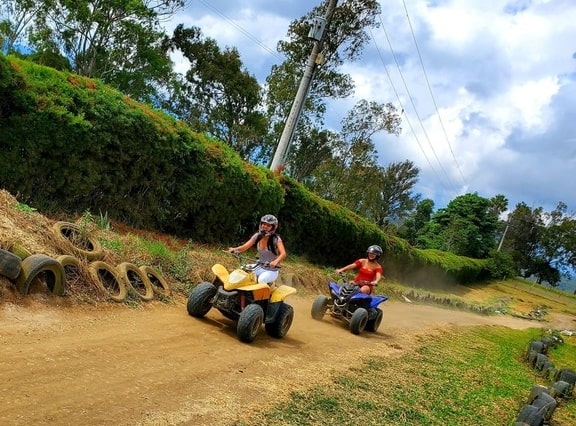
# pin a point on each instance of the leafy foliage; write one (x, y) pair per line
(465, 227)
(119, 42)
(218, 96)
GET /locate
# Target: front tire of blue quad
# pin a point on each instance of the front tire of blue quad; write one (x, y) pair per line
(250, 322)
(358, 321)
(200, 299)
(319, 307)
(373, 324)
(282, 323)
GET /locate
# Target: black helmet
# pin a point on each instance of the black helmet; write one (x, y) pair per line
(377, 250)
(271, 220)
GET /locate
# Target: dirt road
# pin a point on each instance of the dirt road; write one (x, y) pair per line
(113, 365)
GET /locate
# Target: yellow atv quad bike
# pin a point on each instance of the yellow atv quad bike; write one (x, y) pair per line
(239, 297)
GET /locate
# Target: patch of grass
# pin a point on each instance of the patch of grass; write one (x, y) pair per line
(24, 208)
(115, 245)
(472, 376)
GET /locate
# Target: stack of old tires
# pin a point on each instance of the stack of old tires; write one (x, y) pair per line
(543, 401)
(114, 282)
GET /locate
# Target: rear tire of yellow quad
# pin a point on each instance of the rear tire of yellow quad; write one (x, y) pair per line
(282, 323)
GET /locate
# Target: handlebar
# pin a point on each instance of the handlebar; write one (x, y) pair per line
(250, 260)
(358, 283)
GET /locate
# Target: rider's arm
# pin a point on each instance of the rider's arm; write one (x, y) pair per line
(346, 268)
(377, 278)
(281, 253)
(243, 247)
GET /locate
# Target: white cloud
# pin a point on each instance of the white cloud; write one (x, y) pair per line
(502, 75)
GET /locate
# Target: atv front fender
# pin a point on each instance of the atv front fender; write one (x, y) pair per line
(281, 293)
(221, 272)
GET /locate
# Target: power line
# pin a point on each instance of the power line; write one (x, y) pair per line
(242, 30)
(432, 94)
(412, 101)
(401, 106)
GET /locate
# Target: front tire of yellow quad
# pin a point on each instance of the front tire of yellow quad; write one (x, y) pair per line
(250, 322)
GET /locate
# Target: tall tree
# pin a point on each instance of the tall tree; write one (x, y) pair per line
(542, 244)
(417, 223)
(218, 95)
(523, 236)
(351, 176)
(396, 192)
(15, 18)
(120, 42)
(466, 227)
(558, 240)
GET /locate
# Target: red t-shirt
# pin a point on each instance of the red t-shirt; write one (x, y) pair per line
(365, 274)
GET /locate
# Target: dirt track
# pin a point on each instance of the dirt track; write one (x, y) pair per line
(112, 365)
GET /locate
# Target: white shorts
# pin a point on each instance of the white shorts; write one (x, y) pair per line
(265, 276)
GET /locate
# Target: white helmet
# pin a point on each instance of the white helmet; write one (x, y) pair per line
(271, 220)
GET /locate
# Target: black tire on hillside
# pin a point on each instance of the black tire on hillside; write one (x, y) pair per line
(545, 372)
(537, 346)
(43, 268)
(373, 324)
(319, 307)
(539, 362)
(282, 323)
(200, 299)
(566, 375)
(560, 389)
(531, 358)
(86, 246)
(10, 264)
(358, 321)
(107, 279)
(531, 416)
(535, 392)
(250, 322)
(546, 404)
(138, 280)
(159, 283)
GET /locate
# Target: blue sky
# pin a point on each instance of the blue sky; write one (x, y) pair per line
(488, 87)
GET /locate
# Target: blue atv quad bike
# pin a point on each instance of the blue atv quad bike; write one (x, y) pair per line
(346, 303)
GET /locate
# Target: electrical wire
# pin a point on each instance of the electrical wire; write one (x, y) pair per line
(242, 30)
(432, 94)
(401, 106)
(449, 180)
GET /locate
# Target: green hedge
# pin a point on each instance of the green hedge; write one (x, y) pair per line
(72, 144)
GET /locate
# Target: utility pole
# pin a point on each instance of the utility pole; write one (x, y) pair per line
(317, 34)
(504, 234)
